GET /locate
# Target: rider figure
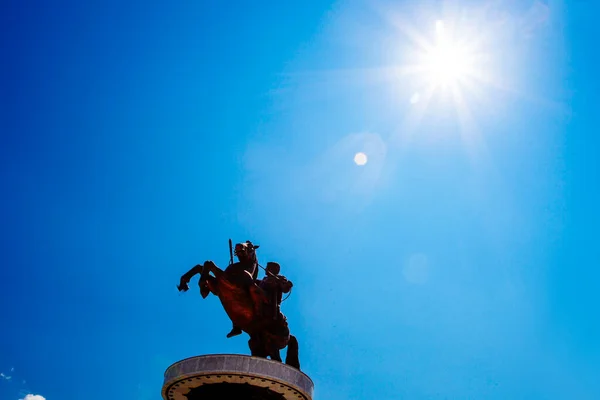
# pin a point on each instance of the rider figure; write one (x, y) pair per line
(274, 285)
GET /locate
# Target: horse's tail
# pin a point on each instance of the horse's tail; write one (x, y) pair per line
(291, 357)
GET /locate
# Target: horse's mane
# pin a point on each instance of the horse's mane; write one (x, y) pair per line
(254, 260)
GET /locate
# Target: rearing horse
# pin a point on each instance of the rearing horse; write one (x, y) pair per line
(244, 301)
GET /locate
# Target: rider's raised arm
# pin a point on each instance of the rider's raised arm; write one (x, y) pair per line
(286, 285)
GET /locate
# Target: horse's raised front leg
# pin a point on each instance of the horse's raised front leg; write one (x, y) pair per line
(185, 278)
(207, 283)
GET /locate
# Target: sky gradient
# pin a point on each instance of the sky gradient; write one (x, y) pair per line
(460, 262)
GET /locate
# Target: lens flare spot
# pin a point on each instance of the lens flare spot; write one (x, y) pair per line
(360, 158)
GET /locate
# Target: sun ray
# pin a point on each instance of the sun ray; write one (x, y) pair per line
(405, 27)
(441, 64)
(469, 130)
(408, 126)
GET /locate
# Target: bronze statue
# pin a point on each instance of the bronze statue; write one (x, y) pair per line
(252, 306)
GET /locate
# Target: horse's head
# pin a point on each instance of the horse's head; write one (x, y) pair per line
(246, 252)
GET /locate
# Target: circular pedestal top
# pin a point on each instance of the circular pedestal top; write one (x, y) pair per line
(221, 375)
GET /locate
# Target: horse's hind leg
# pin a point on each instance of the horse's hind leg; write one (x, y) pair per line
(291, 357)
(257, 347)
(274, 354)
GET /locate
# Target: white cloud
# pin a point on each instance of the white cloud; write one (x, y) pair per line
(3, 376)
(33, 397)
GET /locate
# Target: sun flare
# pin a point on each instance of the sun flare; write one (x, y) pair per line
(446, 67)
(446, 61)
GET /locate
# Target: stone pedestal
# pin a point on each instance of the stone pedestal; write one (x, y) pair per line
(232, 376)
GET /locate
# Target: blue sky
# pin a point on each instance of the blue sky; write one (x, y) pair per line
(460, 262)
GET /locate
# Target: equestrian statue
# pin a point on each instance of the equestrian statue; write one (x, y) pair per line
(253, 305)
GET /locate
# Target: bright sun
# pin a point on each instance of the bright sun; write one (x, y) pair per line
(446, 62)
(447, 66)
